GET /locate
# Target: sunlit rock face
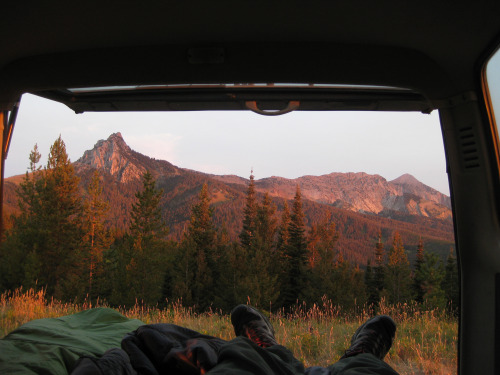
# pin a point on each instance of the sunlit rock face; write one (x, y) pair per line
(362, 192)
(115, 157)
(411, 185)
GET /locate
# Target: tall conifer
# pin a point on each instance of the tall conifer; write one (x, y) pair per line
(248, 233)
(296, 255)
(147, 258)
(200, 244)
(321, 243)
(379, 273)
(62, 209)
(97, 238)
(398, 278)
(450, 284)
(283, 231)
(418, 289)
(431, 273)
(20, 263)
(146, 223)
(266, 223)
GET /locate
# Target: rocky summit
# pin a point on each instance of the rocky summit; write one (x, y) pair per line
(115, 157)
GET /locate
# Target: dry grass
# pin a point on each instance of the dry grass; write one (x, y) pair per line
(425, 342)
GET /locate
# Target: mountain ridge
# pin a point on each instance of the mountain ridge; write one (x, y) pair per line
(122, 168)
(359, 192)
(355, 191)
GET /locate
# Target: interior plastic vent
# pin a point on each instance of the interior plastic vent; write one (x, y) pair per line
(468, 147)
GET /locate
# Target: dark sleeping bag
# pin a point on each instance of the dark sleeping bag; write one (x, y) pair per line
(156, 349)
(53, 345)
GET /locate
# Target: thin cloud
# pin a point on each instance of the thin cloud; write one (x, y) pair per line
(161, 146)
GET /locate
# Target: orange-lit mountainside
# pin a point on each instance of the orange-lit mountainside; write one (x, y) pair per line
(360, 205)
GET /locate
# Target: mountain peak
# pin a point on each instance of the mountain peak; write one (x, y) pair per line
(116, 136)
(114, 156)
(406, 179)
(411, 185)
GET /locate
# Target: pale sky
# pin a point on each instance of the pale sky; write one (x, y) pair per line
(232, 142)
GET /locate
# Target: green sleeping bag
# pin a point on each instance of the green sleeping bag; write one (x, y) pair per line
(53, 345)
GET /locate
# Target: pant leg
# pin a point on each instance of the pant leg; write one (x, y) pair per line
(361, 364)
(242, 357)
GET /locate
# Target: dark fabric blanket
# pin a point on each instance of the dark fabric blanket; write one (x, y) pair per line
(156, 349)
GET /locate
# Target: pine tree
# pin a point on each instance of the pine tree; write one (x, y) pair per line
(59, 252)
(373, 296)
(19, 260)
(450, 283)
(379, 273)
(146, 222)
(418, 289)
(261, 257)
(201, 228)
(146, 258)
(398, 278)
(321, 243)
(431, 273)
(97, 238)
(227, 282)
(195, 274)
(283, 231)
(348, 284)
(296, 256)
(266, 223)
(248, 233)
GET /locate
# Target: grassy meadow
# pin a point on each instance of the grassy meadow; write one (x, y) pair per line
(426, 341)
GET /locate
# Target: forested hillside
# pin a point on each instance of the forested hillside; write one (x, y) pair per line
(122, 226)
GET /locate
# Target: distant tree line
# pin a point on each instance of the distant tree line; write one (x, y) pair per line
(59, 242)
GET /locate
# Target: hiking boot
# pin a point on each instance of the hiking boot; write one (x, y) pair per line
(375, 336)
(250, 323)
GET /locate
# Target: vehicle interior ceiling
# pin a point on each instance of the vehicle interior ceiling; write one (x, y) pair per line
(386, 55)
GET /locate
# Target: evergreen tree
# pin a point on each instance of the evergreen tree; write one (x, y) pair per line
(147, 224)
(322, 254)
(266, 223)
(228, 271)
(349, 289)
(201, 228)
(248, 233)
(321, 242)
(398, 277)
(296, 256)
(450, 283)
(418, 289)
(261, 257)
(146, 258)
(56, 213)
(97, 238)
(378, 278)
(431, 274)
(235, 283)
(195, 276)
(373, 296)
(283, 232)
(19, 263)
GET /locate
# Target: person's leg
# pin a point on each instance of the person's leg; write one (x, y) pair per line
(363, 363)
(369, 345)
(242, 356)
(254, 350)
